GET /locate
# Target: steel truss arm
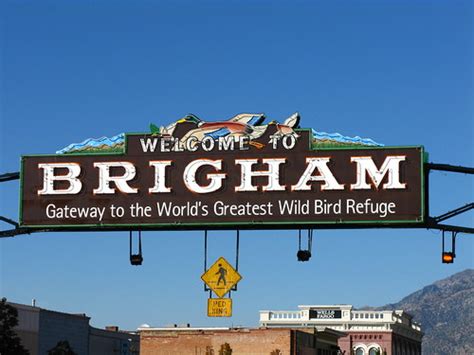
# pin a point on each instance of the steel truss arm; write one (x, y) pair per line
(451, 168)
(9, 176)
(433, 222)
(17, 230)
(454, 212)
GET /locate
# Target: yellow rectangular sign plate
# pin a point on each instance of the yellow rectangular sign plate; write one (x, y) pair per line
(219, 307)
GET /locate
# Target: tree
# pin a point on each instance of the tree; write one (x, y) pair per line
(10, 343)
(225, 349)
(62, 348)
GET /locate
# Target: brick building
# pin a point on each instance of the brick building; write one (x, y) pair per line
(41, 329)
(368, 332)
(242, 341)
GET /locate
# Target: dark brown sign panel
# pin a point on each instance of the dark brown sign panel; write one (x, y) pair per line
(164, 182)
(325, 314)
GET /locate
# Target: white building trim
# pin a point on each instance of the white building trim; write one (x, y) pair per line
(344, 318)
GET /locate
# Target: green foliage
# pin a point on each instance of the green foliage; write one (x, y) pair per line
(154, 129)
(10, 343)
(62, 348)
(225, 349)
(317, 143)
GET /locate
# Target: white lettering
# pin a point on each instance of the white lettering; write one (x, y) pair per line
(160, 176)
(207, 143)
(226, 143)
(73, 171)
(273, 174)
(215, 183)
(325, 174)
(148, 145)
(120, 181)
(390, 167)
(289, 141)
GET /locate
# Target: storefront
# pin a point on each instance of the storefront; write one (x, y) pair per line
(369, 332)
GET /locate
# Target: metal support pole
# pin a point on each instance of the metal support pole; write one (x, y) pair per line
(453, 242)
(205, 263)
(237, 251)
(454, 212)
(452, 168)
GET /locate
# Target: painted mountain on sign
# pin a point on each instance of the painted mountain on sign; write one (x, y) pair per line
(91, 145)
(249, 125)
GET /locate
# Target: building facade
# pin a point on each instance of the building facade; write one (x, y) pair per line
(41, 329)
(240, 341)
(368, 332)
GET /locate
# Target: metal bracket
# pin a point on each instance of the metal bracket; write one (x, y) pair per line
(237, 252)
(136, 259)
(447, 257)
(305, 255)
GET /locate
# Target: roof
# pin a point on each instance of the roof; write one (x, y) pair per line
(38, 309)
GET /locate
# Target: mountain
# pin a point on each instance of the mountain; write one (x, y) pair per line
(445, 310)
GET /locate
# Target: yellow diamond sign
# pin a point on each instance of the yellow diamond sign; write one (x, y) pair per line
(221, 277)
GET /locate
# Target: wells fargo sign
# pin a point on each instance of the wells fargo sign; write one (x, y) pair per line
(236, 173)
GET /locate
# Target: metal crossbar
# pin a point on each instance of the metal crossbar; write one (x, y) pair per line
(9, 176)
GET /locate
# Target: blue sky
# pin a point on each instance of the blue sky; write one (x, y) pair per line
(399, 72)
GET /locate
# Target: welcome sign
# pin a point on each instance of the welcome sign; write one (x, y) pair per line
(239, 173)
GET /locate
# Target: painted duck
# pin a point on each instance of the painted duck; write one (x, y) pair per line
(288, 125)
(244, 124)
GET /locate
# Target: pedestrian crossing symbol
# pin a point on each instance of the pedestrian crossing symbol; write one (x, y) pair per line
(221, 277)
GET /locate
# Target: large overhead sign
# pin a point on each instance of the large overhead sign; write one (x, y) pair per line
(238, 173)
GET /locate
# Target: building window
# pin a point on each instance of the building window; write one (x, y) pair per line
(359, 351)
(374, 351)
